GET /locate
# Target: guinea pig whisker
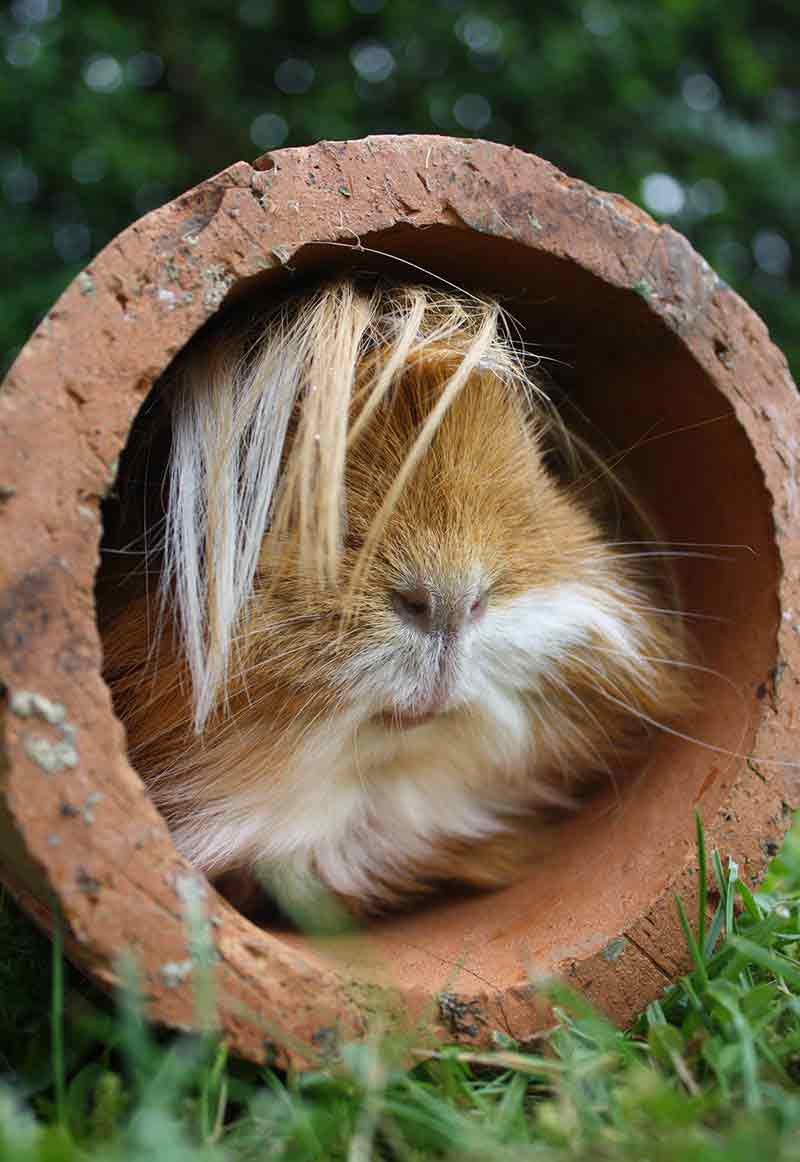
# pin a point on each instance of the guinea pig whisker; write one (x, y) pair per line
(431, 274)
(270, 627)
(675, 733)
(565, 726)
(647, 437)
(109, 552)
(682, 613)
(603, 679)
(684, 428)
(144, 537)
(669, 553)
(602, 689)
(312, 721)
(601, 468)
(682, 664)
(263, 664)
(564, 686)
(682, 544)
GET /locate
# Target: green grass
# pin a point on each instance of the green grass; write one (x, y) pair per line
(709, 1072)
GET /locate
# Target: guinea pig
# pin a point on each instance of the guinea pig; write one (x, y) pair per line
(402, 614)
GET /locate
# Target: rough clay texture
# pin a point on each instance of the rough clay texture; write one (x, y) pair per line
(78, 835)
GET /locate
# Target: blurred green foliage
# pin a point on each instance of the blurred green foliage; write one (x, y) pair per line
(689, 107)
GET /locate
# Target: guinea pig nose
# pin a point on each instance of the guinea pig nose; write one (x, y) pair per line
(436, 613)
(417, 607)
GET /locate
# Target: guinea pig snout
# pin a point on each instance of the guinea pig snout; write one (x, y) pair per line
(439, 612)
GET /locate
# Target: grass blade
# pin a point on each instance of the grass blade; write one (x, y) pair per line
(702, 886)
(691, 943)
(779, 965)
(57, 1024)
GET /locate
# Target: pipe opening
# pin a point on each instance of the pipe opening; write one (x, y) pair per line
(649, 405)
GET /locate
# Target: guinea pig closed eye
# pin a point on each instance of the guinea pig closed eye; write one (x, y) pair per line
(390, 641)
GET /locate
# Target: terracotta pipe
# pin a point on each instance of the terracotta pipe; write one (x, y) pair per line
(664, 359)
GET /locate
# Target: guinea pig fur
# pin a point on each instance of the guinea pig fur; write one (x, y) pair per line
(389, 638)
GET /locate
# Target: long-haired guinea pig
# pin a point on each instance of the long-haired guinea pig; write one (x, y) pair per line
(394, 625)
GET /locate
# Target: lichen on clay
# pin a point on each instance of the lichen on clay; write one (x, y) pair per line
(217, 281)
(52, 757)
(26, 704)
(87, 810)
(614, 949)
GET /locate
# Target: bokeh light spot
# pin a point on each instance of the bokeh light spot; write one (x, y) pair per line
(733, 257)
(20, 183)
(294, 75)
(103, 73)
(34, 11)
(268, 131)
(22, 49)
(600, 18)
(701, 92)
(662, 194)
(473, 111)
(72, 240)
(89, 166)
(479, 33)
(144, 69)
(772, 252)
(373, 61)
(707, 197)
(439, 112)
